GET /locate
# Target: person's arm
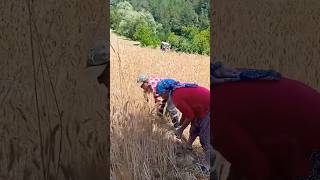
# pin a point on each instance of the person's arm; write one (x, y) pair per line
(180, 129)
(185, 123)
(157, 98)
(145, 96)
(187, 114)
(172, 111)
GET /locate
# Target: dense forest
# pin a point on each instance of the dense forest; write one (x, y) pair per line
(185, 24)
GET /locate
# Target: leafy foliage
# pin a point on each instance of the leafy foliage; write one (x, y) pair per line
(146, 36)
(182, 23)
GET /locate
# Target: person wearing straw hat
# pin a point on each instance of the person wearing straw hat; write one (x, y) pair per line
(98, 62)
(193, 102)
(148, 84)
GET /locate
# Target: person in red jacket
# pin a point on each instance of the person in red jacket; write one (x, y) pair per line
(193, 102)
(267, 130)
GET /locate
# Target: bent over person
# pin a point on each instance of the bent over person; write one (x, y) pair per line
(267, 126)
(193, 102)
(148, 84)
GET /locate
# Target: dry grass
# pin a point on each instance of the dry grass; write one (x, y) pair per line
(143, 147)
(283, 35)
(55, 128)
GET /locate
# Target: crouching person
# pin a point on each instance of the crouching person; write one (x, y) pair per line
(148, 84)
(193, 102)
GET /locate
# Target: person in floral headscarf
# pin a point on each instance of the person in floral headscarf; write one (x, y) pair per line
(148, 84)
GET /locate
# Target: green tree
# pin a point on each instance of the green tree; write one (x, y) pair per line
(115, 18)
(131, 19)
(183, 23)
(176, 42)
(189, 32)
(123, 7)
(140, 4)
(146, 36)
(202, 42)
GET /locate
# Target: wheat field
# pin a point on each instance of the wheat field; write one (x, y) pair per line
(282, 35)
(53, 117)
(142, 146)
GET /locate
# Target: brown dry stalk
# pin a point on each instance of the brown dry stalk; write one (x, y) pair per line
(29, 5)
(141, 145)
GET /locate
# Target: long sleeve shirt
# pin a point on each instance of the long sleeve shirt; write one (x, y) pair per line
(266, 128)
(153, 81)
(193, 103)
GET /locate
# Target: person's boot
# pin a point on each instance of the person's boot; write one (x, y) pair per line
(214, 175)
(203, 168)
(210, 159)
(176, 125)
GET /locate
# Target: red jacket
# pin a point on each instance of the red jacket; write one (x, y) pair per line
(193, 103)
(266, 129)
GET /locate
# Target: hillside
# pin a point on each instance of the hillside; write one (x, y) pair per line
(184, 24)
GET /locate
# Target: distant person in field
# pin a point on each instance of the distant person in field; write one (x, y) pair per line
(165, 46)
(148, 84)
(193, 102)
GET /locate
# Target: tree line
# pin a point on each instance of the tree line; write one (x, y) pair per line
(184, 24)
